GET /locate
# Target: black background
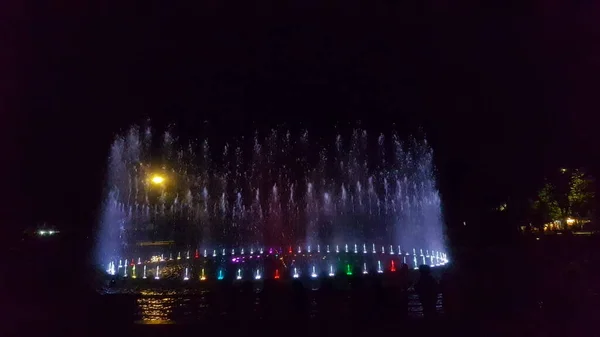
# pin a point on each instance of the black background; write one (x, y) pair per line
(505, 91)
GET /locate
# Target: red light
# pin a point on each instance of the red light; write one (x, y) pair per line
(196, 255)
(277, 274)
(132, 263)
(290, 250)
(393, 268)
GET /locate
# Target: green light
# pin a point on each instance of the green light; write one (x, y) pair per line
(348, 270)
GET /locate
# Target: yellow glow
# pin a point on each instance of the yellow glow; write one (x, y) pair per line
(570, 221)
(157, 180)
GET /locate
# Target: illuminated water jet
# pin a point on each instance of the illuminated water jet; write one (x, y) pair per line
(228, 197)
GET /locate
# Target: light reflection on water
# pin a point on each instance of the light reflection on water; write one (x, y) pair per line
(180, 306)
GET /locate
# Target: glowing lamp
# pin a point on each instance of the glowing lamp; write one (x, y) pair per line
(157, 180)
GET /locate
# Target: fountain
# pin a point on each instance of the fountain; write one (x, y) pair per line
(268, 189)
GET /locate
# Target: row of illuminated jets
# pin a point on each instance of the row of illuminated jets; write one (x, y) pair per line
(257, 274)
(271, 251)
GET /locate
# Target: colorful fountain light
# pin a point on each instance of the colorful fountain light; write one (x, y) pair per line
(139, 260)
(314, 273)
(374, 251)
(220, 276)
(296, 273)
(196, 254)
(156, 277)
(132, 262)
(364, 248)
(188, 255)
(355, 248)
(257, 276)
(391, 250)
(144, 272)
(327, 249)
(276, 274)
(125, 271)
(178, 255)
(133, 275)
(186, 275)
(393, 267)
(346, 248)
(379, 270)
(239, 275)
(365, 268)
(348, 270)
(204, 253)
(331, 273)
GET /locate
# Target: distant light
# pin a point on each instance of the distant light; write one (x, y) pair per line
(43, 232)
(570, 221)
(157, 180)
(563, 170)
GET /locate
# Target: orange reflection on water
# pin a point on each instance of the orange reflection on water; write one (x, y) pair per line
(155, 310)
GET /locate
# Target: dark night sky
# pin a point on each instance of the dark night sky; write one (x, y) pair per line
(504, 93)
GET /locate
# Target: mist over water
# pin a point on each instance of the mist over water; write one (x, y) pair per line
(270, 190)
